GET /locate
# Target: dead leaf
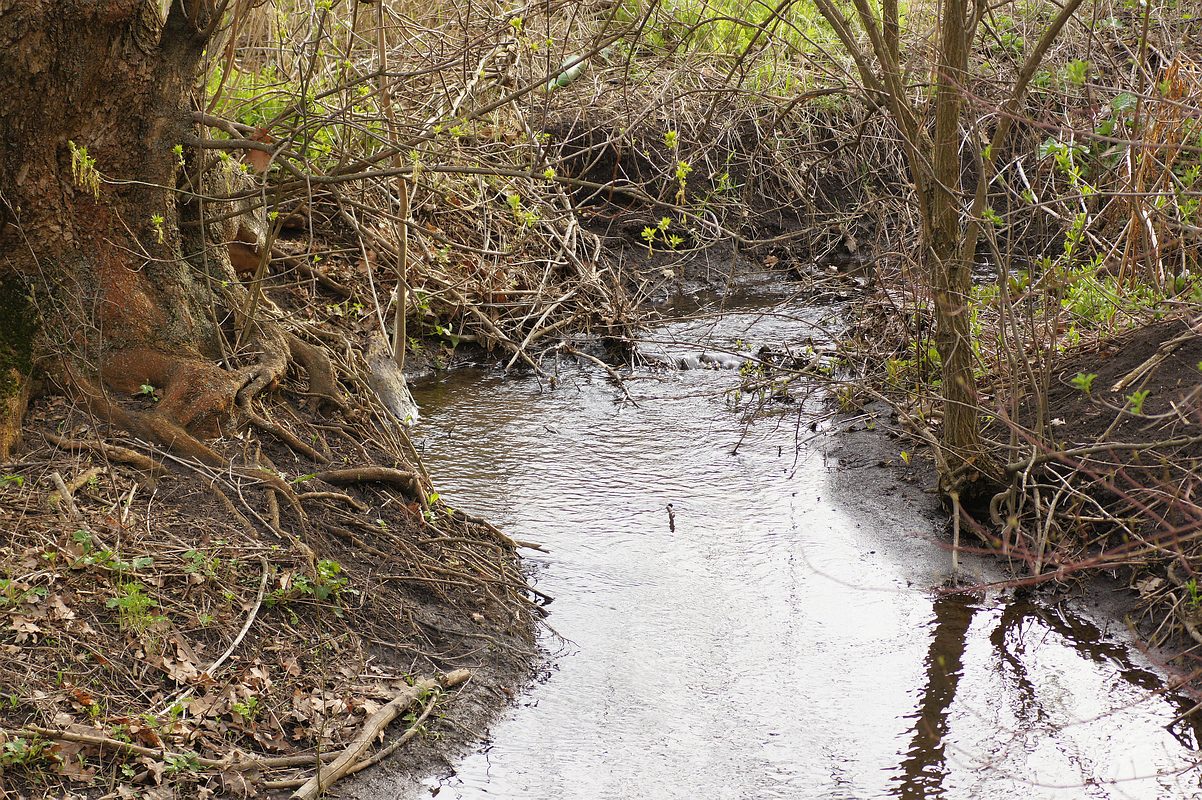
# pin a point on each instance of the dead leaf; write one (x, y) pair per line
(25, 630)
(154, 767)
(180, 669)
(59, 609)
(82, 697)
(234, 783)
(1149, 586)
(291, 666)
(73, 767)
(145, 735)
(259, 159)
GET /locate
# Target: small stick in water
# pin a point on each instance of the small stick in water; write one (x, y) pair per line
(671, 519)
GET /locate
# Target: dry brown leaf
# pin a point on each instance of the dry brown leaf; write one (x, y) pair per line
(154, 767)
(233, 783)
(59, 609)
(291, 666)
(259, 159)
(71, 762)
(25, 629)
(181, 669)
(82, 697)
(145, 735)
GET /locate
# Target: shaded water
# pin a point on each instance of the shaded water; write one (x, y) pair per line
(785, 640)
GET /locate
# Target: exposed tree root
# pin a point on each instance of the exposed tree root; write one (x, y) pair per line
(165, 425)
(286, 436)
(322, 383)
(112, 452)
(407, 482)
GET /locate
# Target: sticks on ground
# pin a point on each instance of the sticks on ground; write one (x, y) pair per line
(374, 726)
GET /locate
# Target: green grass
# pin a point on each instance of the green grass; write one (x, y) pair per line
(732, 27)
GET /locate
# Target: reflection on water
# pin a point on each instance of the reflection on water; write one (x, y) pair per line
(784, 640)
(925, 764)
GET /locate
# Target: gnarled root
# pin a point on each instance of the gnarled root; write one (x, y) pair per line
(192, 394)
(322, 383)
(270, 364)
(195, 398)
(407, 482)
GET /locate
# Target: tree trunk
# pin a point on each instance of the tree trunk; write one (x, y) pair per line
(93, 113)
(951, 273)
(934, 161)
(17, 327)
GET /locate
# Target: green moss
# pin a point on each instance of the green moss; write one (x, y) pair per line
(18, 324)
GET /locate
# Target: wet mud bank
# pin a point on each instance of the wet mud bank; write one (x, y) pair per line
(788, 633)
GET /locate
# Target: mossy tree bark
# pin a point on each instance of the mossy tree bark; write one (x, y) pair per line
(17, 329)
(93, 113)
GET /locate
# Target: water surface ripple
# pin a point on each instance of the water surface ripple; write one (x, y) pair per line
(784, 641)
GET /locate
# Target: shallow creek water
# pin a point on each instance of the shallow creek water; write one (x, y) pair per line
(787, 640)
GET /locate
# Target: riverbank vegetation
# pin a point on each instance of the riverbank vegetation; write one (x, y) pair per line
(222, 552)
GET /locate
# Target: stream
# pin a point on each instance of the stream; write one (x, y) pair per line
(787, 639)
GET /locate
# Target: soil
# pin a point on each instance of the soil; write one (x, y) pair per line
(1172, 405)
(1121, 464)
(1147, 482)
(331, 592)
(114, 604)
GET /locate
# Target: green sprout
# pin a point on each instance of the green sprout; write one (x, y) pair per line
(156, 221)
(1084, 381)
(83, 169)
(1135, 401)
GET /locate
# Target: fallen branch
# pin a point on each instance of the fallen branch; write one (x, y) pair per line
(372, 728)
(613, 374)
(346, 763)
(211, 669)
(163, 754)
(1166, 349)
(64, 496)
(1102, 447)
(375, 758)
(250, 620)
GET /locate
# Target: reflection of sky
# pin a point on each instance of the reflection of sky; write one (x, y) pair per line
(1063, 716)
(770, 647)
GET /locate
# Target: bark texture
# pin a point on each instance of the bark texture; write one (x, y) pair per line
(950, 268)
(933, 155)
(93, 111)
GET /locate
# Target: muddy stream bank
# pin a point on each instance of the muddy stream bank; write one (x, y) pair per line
(787, 639)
